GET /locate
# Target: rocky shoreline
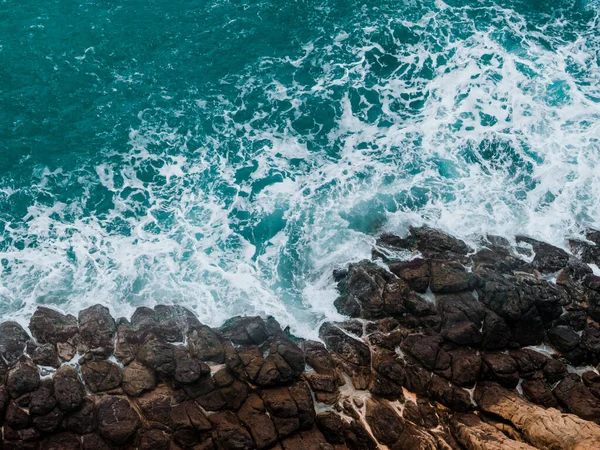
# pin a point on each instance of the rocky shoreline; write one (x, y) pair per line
(444, 348)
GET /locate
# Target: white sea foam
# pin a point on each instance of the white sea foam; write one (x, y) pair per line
(479, 130)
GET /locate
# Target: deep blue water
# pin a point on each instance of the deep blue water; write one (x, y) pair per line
(227, 156)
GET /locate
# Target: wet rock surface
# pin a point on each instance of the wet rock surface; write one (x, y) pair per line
(447, 347)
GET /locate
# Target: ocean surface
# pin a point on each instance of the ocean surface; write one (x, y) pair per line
(228, 155)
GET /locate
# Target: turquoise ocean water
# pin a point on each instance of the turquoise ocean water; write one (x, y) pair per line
(227, 155)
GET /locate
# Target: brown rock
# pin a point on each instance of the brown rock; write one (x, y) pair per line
(137, 379)
(501, 367)
(231, 435)
(233, 391)
(49, 422)
(50, 326)
(117, 420)
(254, 416)
(158, 356)
(190, 425)
(42, 401)
(543, 428)
(156, 405)
(472, 433)
(449, 277)
(61, 441)
(97, 329)
(282, 409)
(415, 272)
(385, 424)
(306, 439)
(17, 417)
(101, 375)
(93, 441)
(206, 345)
(13, 339)
(82, 420)
(68, 389)
(188, 369)
(23, 378)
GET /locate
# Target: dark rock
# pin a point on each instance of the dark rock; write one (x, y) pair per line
(306, 439)
(563, 338)
(547, 257)
(462, 318)
(231, 435)
(233, 391)
(205, 392)
(385, 424)
(156, 405)
(101, 375)
(245, 330)
(592, 282)
(432, 242)
(50, 326)
(158, 356)
(424, 348)
(68, 389)
(254, 416)
(137, 379)
(23, 378)
(82, 420)
(206, 345)
(415, 272)
(93, 441)
(117, 420)
(188, 369)
(502, 368)
(495, 334)
(332, 426)
(49, 422)
(13, 339)
(465, 367)
(395, 295)
(418, 379)
(191, 426)
(282, 409)
(45, 355)
(61, 441)
(590, 338)
(554, 370)
(449, 395)
(357, 438)
(362, 291)
(577, 398)
(539, 391)
(339, 342)
(16, 417)
(301, 394)
(97, 329)
(448, 277)
(42, 401)
(529, 362)
(154, 440)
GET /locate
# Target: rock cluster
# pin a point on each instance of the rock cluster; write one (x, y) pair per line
(445, 348)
